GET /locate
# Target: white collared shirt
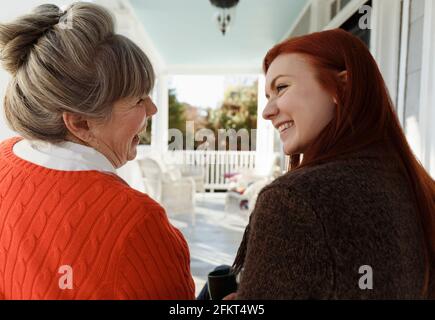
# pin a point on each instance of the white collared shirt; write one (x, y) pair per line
(64, 156)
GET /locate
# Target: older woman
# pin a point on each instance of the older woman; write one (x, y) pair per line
(69, 227)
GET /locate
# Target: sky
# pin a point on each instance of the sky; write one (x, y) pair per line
(205, 90)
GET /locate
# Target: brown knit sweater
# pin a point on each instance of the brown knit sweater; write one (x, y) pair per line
(313, 228)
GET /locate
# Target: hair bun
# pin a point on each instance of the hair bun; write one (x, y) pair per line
(18, 37)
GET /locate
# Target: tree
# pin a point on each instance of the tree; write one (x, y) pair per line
(177, 112)
(238, 110)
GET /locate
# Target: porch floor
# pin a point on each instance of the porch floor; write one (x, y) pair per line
(215, 238)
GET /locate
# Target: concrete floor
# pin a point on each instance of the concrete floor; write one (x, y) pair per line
(214, 239)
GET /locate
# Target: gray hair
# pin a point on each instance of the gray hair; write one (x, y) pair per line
(83, 69)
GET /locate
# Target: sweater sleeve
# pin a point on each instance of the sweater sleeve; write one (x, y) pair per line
(155, 262)
(287, 254)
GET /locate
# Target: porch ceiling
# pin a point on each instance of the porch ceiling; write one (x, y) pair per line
(186, 35)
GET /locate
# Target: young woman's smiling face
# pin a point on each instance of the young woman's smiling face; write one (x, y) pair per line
(298, 106)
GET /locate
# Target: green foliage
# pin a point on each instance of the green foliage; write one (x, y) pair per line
(177, 112)
(145, 136)
(238, 111)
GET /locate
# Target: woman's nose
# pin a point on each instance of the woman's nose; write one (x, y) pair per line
(151, 109)
(270, 111)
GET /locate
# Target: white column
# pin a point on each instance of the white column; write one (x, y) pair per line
(265, 139)
(404, 42)
(427, 93)
(385, 41)
(160, 122)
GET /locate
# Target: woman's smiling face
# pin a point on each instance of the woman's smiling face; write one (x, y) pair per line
(117, 138)
(298, 106)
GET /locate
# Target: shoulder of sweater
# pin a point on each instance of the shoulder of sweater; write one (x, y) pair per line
(314, 174)
(321, 174)
(121, 189)
(335, 177)
(132, 209)
(302, 192)
(348, 168)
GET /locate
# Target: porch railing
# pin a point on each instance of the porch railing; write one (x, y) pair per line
(216, 165)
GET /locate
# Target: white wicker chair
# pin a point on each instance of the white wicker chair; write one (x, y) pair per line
(168, 187)
(234, 199)
(197, 174)
(250, 185)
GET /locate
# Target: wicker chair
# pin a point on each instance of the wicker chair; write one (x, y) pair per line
(168, 187)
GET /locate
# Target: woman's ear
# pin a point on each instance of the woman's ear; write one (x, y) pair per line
(343, 76)
(77, 125)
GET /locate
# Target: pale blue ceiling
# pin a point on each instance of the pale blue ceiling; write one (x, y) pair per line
(184, 31)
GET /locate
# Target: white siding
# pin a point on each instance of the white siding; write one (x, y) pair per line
(413, 75)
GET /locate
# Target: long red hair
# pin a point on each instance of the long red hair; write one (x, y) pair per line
(364, 116)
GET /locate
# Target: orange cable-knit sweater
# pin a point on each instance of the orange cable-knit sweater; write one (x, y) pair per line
(84, 235)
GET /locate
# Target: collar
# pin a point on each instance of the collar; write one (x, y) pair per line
(64, 156)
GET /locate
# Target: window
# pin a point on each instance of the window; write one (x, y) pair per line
(352, 26)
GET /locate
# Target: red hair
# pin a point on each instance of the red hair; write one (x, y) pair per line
(364, 116)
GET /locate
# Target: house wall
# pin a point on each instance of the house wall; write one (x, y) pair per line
(413, 74)
(411, 82)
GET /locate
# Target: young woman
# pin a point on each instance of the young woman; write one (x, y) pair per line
(355, 216)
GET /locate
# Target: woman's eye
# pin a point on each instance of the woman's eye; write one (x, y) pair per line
(281, 87)
(140, 101)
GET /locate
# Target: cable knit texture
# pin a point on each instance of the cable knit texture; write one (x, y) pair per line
(118, 241)
(313, 228)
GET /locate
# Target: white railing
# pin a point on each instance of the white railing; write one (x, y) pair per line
(215, 164)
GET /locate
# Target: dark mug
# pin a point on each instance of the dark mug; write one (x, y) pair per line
(221, 283)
